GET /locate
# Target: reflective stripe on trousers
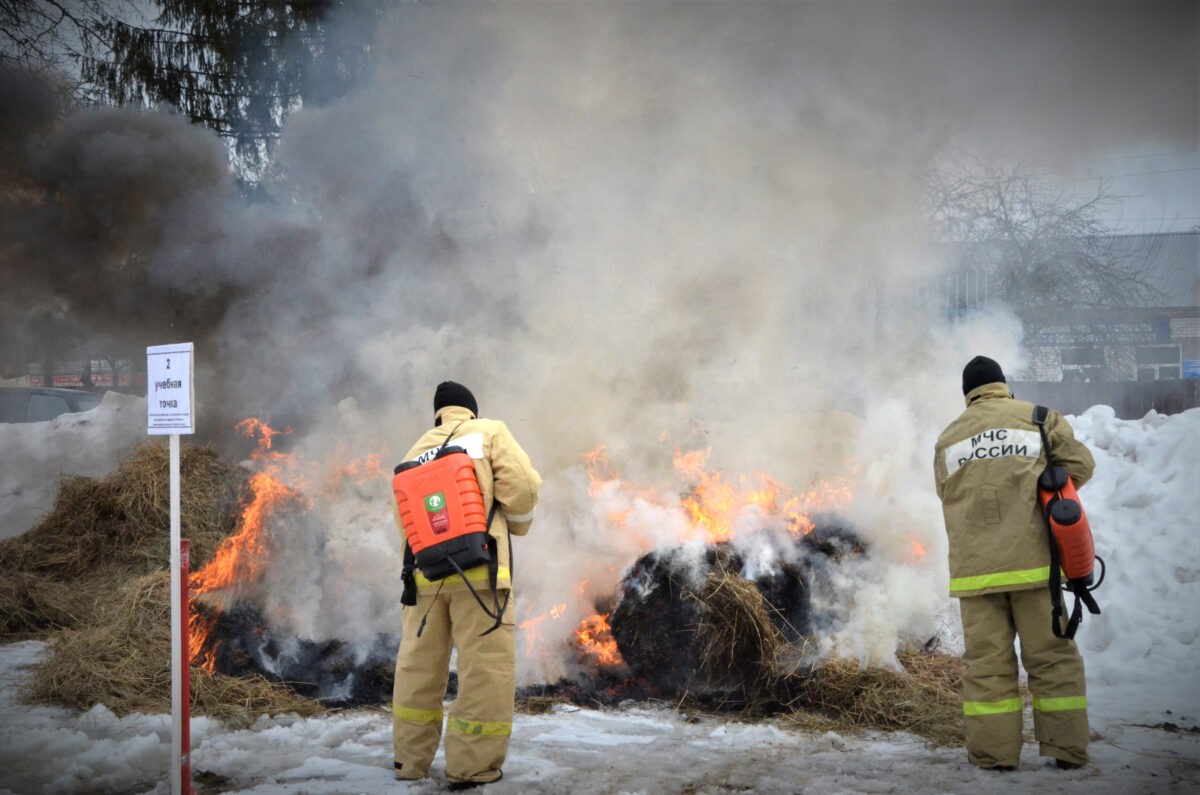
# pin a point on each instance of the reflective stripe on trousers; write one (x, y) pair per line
(992, 707)
(476, 727)
(417, 715)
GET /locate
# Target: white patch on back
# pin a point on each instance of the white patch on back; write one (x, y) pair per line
(472, 443)
(996, 443)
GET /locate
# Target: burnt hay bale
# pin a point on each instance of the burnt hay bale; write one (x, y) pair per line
(710, 622)
(332, 671)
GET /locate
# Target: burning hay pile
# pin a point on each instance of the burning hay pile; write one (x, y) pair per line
(702, 627)
(724, 624)
(91, 578)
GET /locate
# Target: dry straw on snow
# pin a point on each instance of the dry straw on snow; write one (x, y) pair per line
(923, 698)
(92, 579)
(102, 532)
(123, 662)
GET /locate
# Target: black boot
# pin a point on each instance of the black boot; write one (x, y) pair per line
(455, 786)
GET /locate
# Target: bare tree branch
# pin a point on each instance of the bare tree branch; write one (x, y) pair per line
(1040, 245)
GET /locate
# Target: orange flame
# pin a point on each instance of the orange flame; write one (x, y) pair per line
(357, 470)
(713, 504)
(918, 550)
(594, 638)
(200, 628)
(598, 469)
(533, 634)
(242, 558)
(266, 434)
(603, 478)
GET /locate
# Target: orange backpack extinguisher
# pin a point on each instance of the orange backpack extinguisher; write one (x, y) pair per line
(446, 528)
(1072, 550)
(1068, 525)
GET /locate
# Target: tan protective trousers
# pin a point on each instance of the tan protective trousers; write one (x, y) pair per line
(480, 720)
(992, 706)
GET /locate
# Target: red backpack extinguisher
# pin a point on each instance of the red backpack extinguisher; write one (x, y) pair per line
(1072, 550)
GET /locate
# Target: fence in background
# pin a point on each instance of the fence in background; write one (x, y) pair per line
(1131, 400)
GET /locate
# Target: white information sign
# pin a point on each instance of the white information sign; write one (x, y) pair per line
(170, 391)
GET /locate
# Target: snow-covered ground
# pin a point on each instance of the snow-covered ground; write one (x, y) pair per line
(635, 749)
(1142, 656)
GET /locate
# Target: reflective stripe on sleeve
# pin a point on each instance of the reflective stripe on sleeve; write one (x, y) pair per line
(1060, 704)
(519, 517)
(479, 574)
(980, 581)
(477, 727)
(417, 715)
(975, 708)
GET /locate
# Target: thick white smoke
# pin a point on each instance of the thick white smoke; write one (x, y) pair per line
(645, 226)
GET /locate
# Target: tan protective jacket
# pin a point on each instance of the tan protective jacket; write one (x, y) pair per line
(986, 465)
(505, 474)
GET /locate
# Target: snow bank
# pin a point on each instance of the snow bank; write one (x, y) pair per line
(38, 454)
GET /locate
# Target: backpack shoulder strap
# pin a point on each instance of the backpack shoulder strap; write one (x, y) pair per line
(408, 594)
(1040, 414)
(449, 436)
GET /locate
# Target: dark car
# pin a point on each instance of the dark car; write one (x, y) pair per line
(38, 404)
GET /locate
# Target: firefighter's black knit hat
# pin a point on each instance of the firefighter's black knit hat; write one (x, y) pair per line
(979, 371)
(451, 394)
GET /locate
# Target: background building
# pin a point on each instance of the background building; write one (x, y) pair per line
(1139, 354)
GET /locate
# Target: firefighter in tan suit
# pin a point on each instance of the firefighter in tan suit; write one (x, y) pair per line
(986, 465)
(480, 720)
